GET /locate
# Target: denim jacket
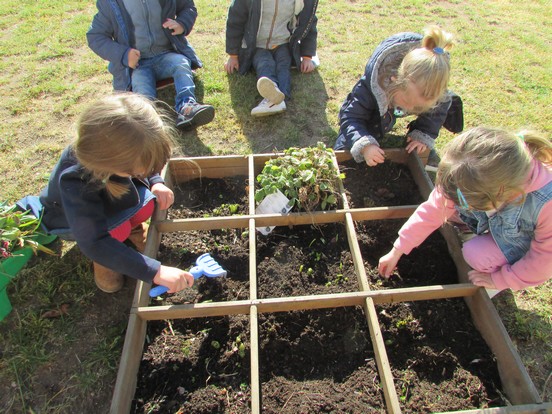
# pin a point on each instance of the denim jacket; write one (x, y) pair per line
(513, 227)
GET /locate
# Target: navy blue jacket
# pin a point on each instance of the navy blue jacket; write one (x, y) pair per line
(111, 35)
(74, 206)
(365, 116)
(242, 25)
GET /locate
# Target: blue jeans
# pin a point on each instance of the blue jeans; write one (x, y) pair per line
(167, 65)
(275, 64)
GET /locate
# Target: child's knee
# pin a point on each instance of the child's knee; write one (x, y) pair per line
(483, 254)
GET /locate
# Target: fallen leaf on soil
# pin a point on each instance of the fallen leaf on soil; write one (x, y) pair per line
(56, 313)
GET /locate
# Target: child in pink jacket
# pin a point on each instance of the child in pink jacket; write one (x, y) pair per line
(499, 184)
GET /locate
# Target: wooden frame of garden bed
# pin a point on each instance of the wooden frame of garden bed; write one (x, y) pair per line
(515, 381)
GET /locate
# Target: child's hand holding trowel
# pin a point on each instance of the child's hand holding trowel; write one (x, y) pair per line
(205, 266)
(173, 279)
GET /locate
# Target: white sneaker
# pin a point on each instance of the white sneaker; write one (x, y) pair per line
(269, 90)
(266, 108)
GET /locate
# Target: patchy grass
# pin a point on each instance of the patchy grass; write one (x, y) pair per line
(501, 68)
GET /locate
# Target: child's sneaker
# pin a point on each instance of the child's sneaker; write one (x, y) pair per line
(269, 90)
(193, 115)
(266, 108)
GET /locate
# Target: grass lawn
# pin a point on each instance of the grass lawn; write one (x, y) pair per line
(502, 67)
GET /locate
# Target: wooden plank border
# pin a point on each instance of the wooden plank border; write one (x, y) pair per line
(516, 381)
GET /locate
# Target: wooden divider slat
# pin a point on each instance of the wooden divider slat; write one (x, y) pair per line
(255, 368)
(384, 368)
(319, 217)
(286, 304)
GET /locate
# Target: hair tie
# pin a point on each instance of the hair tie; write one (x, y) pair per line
(462, 200)
(438, 50)
(520, 136)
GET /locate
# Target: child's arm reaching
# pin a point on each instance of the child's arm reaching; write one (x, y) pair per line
(423, 131)
(373, 155)
(427, 218)
(388, 263)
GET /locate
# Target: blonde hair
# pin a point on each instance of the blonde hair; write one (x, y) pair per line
(122, 133)
(489, 166)
(428, 66)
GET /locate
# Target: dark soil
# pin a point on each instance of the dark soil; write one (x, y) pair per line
(317, 361)
(388, 184)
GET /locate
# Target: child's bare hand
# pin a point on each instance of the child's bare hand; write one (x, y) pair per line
(373, 155)
(307, 65)
(165, 196)
(388, 263)
(481, 279)
(133, 58)
(174, 26)
(232, 64)
(173, 278)
(415, 146)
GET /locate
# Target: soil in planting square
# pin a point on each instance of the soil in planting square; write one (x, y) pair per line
(202, 197)
(318, 361)
(228, 247)
(428, 264)
(439, 360)
(387, 184)
(305, 260)
(209, 197)
(191, 366)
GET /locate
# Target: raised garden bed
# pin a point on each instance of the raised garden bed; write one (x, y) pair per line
(302, 322)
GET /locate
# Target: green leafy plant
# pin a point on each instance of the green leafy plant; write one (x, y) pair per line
(307, 176)
(19, 229)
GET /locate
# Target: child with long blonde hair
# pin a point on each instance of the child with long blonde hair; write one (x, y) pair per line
(499, 184)
(103, 189)
(407, 74)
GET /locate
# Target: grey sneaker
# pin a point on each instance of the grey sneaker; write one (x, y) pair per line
(194, 114)
(269, 90)
(266, 108)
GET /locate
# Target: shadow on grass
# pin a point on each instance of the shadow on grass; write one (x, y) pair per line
(529, 330)
(303, 124)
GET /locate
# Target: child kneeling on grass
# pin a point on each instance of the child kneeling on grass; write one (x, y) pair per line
(270, 35)
(407, 74)
(103, 189)
(499, 185)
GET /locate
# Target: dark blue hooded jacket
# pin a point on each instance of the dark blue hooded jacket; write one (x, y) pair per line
(365, 116)
(111, 35)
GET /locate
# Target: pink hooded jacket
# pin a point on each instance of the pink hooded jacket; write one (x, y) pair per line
(533, 269)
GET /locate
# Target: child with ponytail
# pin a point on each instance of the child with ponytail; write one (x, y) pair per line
(499, 184)
(103, 189)
(407, 74)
